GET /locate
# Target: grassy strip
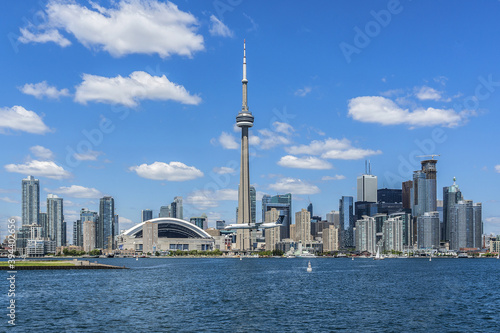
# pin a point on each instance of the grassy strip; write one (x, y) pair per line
(37, 263)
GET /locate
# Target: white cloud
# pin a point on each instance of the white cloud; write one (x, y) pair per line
(224, 170)
(43, 89)
(308, 162)
(130, 26)
(380, 110)
(77, 191)
(497, 168)
(350, 154)
(19, 119)
(47, 169)
(253, 140)
(270, 139)
(42, 152)
(91, 155)
(228, 141)
(218, 28)
(284, 128)
(130, 90)
(336, 177)
(303, 91)
(318, 147)
(173, 171)
(50, 35)
(294, 186)
(427, 93)
(9, 200)
(333, 149)
(203, 199)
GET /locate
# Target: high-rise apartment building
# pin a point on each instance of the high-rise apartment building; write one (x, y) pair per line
(466, 225)
(31, 200)
(78, 233)
(451, 196)
(105, 226)
(366, 236)
(55, 220)
(333, 217)
(392, 234)
(424, 192)
(89, 235)
(272, 234)
(428, 230)
(302, 226)
(330, 239)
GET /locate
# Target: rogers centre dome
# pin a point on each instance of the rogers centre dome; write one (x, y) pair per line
(165, 234)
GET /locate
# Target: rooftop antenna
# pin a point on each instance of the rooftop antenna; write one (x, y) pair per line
(369, 167)
(366, 169)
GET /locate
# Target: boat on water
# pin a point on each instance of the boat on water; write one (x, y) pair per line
(306, 255)
(309, 268)
(290, 256)
(378, 256)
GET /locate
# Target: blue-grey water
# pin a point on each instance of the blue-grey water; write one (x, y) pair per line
(262, 295)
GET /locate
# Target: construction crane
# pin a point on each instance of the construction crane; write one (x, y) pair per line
(432, 155)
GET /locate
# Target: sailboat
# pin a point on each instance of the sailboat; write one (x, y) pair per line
(377, 256)
(309, 268)
(498, 255)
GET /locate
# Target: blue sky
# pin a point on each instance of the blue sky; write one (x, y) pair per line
(138, 100)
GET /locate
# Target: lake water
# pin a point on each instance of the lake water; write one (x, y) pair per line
(266, 295)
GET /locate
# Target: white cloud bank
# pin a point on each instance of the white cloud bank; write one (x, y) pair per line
(381, 110)
(47, 169)
(173, 171)
(42, 89)
(309, 162)
(19, 119)
(294, 186)
(332, 149)
(77, 191)
(42, 152)
(130, 90)
(130, 26)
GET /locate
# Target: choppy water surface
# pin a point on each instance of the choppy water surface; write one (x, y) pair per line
(267, 295)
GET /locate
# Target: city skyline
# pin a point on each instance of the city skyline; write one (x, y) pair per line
(320, 112)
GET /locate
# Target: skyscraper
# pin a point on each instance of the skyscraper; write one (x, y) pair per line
(272, 234)
(179, 210)
(428, 230)
(282, 203)
(424, 193)
(366, 236)
(367, 188)
(346, 221)
(85, 216)
(302, 226)
(244, 120)
(253, 197)
(31, 200)
(451, 196)
(466, 225)
(77, 233)
(55, 219)
(164, 211)
(146, 214)
(105, 227)
(406, 194)
(310, 209)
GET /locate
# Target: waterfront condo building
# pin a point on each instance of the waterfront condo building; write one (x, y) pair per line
(55, 220)
(302, 226)
(31, 200)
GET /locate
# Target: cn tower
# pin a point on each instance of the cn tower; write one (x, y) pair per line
(244, 119)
